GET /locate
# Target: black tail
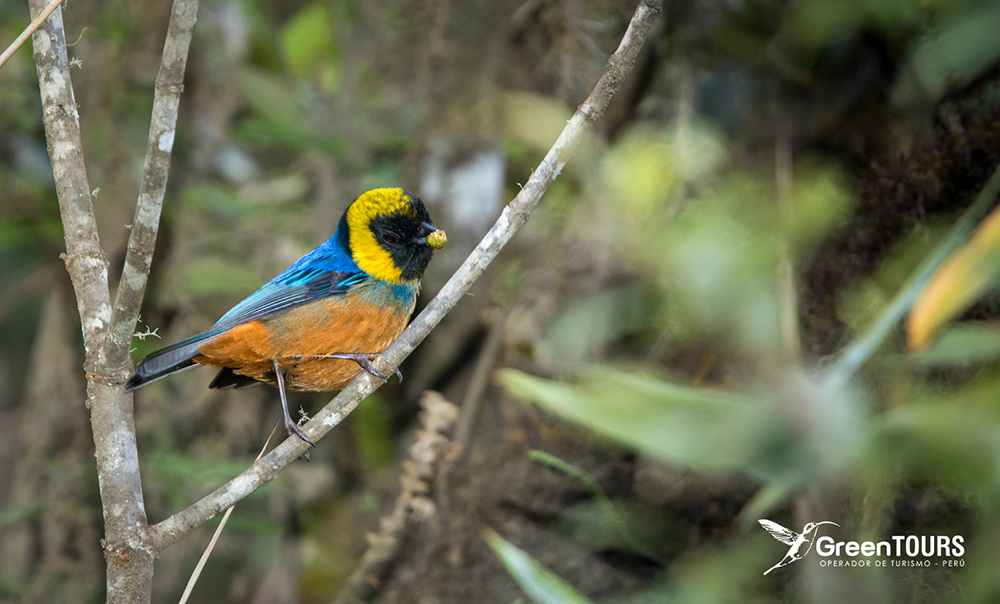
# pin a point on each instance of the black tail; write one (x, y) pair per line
(168, 361)
(227, 378)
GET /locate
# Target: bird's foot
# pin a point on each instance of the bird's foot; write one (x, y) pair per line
(290, 426)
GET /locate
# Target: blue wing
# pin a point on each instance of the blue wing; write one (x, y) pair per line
(325, 271)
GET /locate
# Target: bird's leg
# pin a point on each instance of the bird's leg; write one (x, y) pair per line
(290, 426)
(361, 358)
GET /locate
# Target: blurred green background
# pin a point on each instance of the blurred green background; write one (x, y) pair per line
(653, 365)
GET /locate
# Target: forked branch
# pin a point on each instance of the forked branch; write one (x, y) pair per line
(107, 333)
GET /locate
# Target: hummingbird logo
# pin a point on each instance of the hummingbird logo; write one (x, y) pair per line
(800, 543)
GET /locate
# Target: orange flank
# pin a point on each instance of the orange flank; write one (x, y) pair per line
(301, 337)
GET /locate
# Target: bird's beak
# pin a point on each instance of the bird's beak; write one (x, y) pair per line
(435, 238)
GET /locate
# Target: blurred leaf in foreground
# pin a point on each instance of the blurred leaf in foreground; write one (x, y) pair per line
(674, 422)
(821, 200)
(957, 283)
(955, 444)
(958, 50)
(797, 433)
(971, 342)
(537, 581)
(590, 520)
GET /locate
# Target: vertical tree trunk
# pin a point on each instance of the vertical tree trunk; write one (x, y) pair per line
(129, 561)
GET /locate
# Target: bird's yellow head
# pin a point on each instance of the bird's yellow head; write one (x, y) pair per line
(390, 235)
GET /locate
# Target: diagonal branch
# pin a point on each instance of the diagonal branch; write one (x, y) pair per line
(169, 85)
(35, 24)
(513, 217)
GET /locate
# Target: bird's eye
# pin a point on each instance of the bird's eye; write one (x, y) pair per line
(390, 238)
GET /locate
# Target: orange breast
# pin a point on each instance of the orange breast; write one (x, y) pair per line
(300, 337)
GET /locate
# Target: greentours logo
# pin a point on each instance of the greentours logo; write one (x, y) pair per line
(801, 542)
(949, 549)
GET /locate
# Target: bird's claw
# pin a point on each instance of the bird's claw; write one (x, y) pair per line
(293, 428)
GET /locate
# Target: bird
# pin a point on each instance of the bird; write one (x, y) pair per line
(801, 543)
(316, 326)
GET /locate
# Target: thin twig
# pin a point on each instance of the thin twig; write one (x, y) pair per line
(35, 24)
(471, 403)
(215, 536)
(511, 219)
(426, 456)
(142, 239)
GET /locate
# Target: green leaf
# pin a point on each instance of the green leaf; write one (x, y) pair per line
(770, 496)
(962, 278)
(855, 355)
(962, 344)
(696, 427)
(542, 585)
(821, 199)
(600, 515)
(802, 431)
(309, 44)
(533, 120)
(953, 443)
(957, 51)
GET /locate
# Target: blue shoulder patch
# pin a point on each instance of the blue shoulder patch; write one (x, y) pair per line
(325, 271)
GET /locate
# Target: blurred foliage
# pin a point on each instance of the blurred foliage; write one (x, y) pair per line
(644, 296)
(701, 242)
(965, 343)
(310, 50)
(961, 46)
(372, 430)
(958, 282)
(600, 524)
(706, 259)
(542, 585)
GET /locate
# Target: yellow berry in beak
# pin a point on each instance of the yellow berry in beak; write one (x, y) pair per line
(437, 239)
